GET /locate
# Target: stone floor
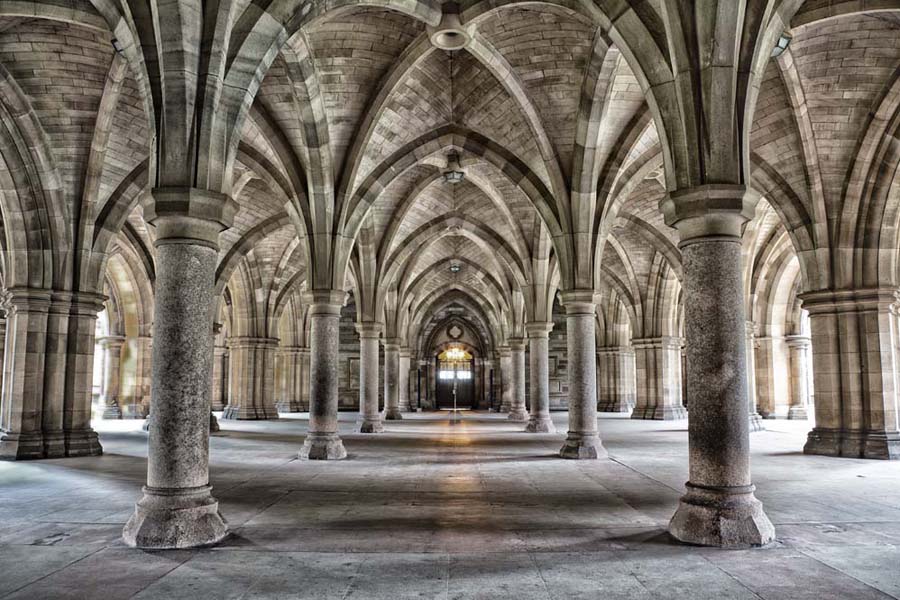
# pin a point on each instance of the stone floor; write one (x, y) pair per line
(430, 509)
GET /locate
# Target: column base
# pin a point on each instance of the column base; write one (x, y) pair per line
(406, 408)
(55, 444)
(250, 413)
(393, 414)
(669, 413)
(798, 413)
(135, 411)
(111, 411)
(83, 443)
(614, 407)
(879, 445)
(288, 407)
(323, 446)
(505, 408)
(146, 425)
(643, 412)
(540, 424)
(21, 446)
(580, 446)
(218, 407)
(213, 423)
(721, 517)
(520, 416)
(371, 426)
(175, 518)
(756, 423)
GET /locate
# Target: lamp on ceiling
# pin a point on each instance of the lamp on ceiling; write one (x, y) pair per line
(455, 267)
(453, 173)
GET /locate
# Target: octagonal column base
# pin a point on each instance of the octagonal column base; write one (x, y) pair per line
(323, 446)
(580, 446)
(540, 424)
(721, 517)
(166, 519)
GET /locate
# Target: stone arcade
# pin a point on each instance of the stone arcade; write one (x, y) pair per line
(337, 288)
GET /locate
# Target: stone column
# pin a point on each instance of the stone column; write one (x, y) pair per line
(21, 409)
(854, 344)
(517, 410)
(719, 507)
(392, 388)
(658, 368)
(112, 372)
(144, 373)
(220, 383)
(756, 421)
(539, 356)
(403, 383)
(370, 416)
(251, 394)
(798, 346)
(583, 439)
(292, 377)
(506, 385)
(81, 439)
(616, 379)
(322, 442)
(178, 509)
(304, 379)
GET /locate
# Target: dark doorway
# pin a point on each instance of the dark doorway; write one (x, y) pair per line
(455, 374)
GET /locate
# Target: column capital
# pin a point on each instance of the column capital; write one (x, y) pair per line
(517, 344)
(578, 302)
(798, 341)
(188, 215)
(369, 329)
(504, 351)
(325, 302)
(391, 344)
(404, 352)
(709, 211)
(838, 301)
(111, 341)
(538, 329)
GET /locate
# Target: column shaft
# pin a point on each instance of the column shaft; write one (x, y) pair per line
(403, 383)
(798, 346)
(719, 507)
(517, 410)
(112, 347)
(616, 379)
(178, 509)
(583, 439)
(322, 442)
(370, 416)
(539, 356)
(506, 391)
(392, 381)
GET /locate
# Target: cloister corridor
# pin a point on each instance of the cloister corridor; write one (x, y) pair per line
(435, 509)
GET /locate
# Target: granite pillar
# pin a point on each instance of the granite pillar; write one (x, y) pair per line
(517, 410)
(506, 386)
(719, 507)
(539, 357)
(583, 439)
(177, 509)
(369, 415)
(322, 441)
(392, 380)
(112, 369)
(756, 422)
(798, 348)
(403, 381)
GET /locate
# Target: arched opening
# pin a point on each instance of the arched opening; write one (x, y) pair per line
(455, 386)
